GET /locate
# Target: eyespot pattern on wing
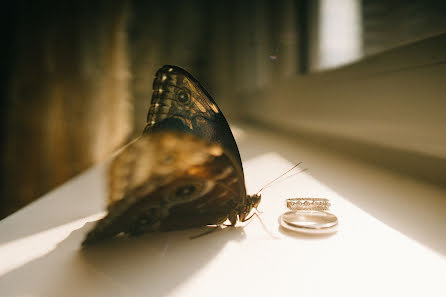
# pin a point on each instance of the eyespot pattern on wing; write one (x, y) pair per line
(184, 171)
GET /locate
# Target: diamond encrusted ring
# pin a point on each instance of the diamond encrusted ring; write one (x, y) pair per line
(320, 204)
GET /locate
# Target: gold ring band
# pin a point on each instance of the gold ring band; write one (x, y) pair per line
(309, 221)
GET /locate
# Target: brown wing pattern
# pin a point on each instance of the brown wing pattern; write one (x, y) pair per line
(181, 103)
(184, 171)
(168, 181)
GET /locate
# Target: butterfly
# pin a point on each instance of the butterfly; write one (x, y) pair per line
(185, 170)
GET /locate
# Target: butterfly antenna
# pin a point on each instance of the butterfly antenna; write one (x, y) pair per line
(265, 186)
(300, 171)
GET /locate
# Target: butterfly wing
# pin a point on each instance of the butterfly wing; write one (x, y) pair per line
(185, 171)
(168, 181)
(180, 102)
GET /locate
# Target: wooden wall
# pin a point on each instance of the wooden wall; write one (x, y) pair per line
(65, 99)
(76, 76)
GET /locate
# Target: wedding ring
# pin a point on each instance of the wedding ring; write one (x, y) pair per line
(309, 221)
(320, 204)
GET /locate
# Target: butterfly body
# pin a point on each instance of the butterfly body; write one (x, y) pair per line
(183, 172)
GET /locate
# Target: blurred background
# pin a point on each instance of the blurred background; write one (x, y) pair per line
(77, 77)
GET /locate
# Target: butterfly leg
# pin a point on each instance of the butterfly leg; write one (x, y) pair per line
(249, 218)
(215, 228)
(261, 222)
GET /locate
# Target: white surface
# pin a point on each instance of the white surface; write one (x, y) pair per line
(390, 241)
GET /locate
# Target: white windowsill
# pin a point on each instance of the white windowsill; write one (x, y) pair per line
(390, 241)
